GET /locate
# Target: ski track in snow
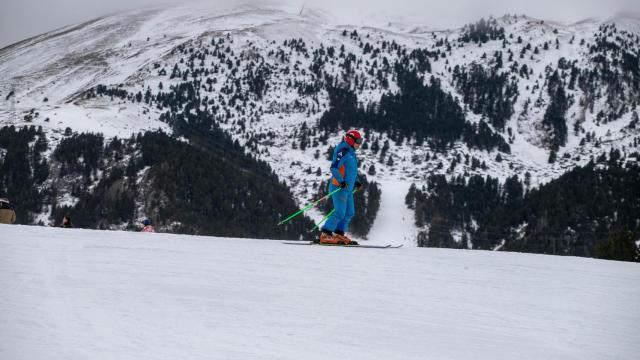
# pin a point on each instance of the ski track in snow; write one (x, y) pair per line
(86, 294)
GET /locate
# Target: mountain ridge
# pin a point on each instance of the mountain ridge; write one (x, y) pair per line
(263, 88)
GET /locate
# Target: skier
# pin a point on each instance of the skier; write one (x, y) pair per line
(344, 171)
(66, 222)
(147, 226)
(7, 214)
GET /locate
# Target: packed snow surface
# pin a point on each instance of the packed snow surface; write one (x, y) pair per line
(85, 294)
(395, 222)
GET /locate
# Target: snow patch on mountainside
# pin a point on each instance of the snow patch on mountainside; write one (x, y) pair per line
(395, 223)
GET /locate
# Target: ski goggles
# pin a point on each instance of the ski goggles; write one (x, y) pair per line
(356, 140)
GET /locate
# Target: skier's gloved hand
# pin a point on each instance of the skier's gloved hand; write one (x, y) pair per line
(343, 185)
(358, 186)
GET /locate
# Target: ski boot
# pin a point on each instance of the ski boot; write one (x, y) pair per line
(342, 239)
(327, 237)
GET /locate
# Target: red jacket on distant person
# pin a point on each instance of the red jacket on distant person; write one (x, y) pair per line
(147, 226)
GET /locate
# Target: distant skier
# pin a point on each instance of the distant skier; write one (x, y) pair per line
(344, 171)
(7, 213)
(66, 222)
(148, 227)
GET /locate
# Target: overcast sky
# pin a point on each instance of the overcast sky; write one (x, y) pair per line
(21, 19)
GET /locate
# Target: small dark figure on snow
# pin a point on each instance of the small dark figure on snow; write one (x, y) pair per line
(147, 226)
(7, 213)
(66, 222)
(344, 171)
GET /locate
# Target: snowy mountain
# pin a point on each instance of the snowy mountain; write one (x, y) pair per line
(77, 294)
(531, 97)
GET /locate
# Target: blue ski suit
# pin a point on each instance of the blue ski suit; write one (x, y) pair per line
(344, 167)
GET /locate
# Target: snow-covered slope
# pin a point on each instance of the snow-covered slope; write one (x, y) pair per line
(395, 222)
(81, 294)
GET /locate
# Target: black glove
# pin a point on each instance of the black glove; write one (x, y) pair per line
(358, 186)
(343, 185)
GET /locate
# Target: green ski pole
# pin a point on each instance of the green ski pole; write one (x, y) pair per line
(323, 220)
(326, 217)
(308, 206)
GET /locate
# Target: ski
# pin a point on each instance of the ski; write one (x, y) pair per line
(339, 245)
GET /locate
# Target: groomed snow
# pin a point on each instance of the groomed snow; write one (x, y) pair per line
(82, 294)
(395, 223)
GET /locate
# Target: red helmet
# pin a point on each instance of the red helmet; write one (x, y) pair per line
(353, 137)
